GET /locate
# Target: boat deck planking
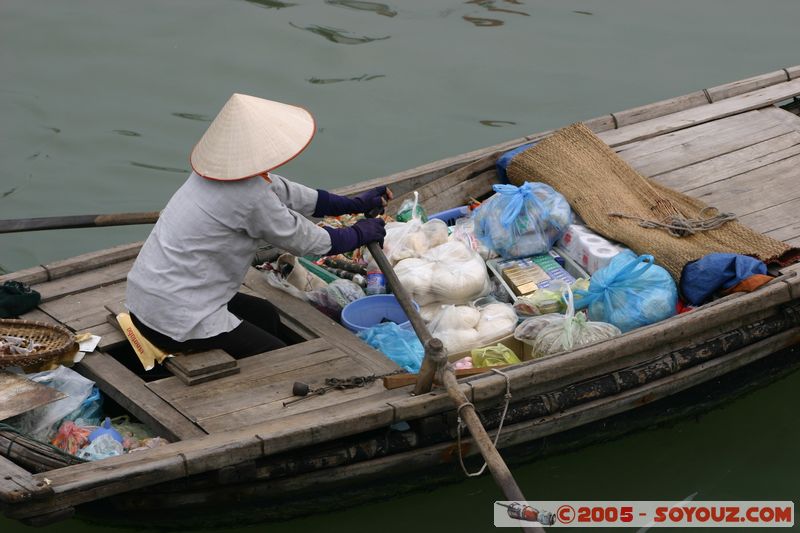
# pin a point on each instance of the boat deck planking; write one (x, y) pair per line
(257, 393)
(747, 164)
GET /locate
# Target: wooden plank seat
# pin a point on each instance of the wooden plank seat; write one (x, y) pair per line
(265, 382)
(192, 368)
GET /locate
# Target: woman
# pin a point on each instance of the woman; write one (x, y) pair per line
(182, 290)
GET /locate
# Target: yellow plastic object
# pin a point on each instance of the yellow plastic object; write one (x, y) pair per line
(147, 353)
(495, 355)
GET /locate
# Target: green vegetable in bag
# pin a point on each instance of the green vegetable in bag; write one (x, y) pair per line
(493, 356)
(549, 334)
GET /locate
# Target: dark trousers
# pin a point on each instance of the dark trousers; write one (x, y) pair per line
(256, 334)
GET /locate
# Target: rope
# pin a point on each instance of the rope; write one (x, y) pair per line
(680, 226)
(499, 427)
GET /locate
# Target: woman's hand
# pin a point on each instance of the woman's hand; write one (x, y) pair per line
(362, 232)
(372, 201)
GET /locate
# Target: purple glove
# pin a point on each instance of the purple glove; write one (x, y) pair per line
(333, 204)
(359, 234)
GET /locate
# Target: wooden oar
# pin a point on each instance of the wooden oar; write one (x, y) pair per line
(435, 363)
(76, 221)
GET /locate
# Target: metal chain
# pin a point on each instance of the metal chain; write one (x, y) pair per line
(354, 382)
(499, 427)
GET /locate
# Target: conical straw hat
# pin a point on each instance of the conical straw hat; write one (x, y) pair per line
(251, 136)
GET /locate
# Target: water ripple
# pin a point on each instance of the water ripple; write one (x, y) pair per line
(271, 4)
(375, 7)
(192, 116)
(483, 22)
(363, 77)
(489, 5)
(498, 123)
(127, 133)
(583, 12)
(336, 35)
(157, 167)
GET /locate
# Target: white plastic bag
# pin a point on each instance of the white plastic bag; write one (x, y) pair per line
(464, 231)
(410, 239)
(450, 273)
(41, 423)
(413, 238)
(102, 447)
(464, 327)
(554, 333)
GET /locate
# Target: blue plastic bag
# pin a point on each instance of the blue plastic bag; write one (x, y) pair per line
(522, 221)
(702, 278)
(504, 160)
(90, 411)
(399, 344)
(630, 292)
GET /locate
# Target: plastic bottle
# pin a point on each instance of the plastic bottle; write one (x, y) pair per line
(376, 281)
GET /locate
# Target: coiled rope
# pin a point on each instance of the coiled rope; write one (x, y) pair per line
(680, 226)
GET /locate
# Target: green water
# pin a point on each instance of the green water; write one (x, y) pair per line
(101, 102)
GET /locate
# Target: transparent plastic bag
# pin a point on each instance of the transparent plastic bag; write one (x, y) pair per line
(464, 327)
(630, 292)
(413, 237)
(548, 300)
(498, 354)
(344, 291)
(72, 437)
(274, 279)
(455, 325)
(497, 320)
(399, 344)
(102, 447)
(149, 444)
(41, 423)
(410, 208)
(522, 221)
(553, 333)
(449, 273)
(332, 298)
(133, 433)
(90, 412)
(464, 231)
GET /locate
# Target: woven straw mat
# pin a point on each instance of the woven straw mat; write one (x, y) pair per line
(596, 181)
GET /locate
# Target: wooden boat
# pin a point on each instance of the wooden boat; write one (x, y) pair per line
(736, 145)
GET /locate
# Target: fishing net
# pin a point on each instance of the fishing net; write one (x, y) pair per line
(600, 186)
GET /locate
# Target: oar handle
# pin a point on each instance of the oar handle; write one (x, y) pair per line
(76, 221)
(435, 354)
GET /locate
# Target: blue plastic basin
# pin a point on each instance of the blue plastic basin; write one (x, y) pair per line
(372, 310)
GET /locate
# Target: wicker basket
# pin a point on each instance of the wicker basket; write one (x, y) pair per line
(55, 341)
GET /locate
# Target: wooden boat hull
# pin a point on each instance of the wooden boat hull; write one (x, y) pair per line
(328, 480)
(259, 452)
